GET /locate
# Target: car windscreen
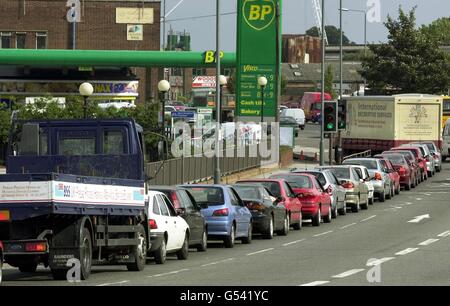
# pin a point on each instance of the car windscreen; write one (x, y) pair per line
(207, 195)
(249, 192)
(395, 159)
(369, 164)
(341, 173)
(296, 181)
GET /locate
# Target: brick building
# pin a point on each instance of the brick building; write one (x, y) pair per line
(103, 25)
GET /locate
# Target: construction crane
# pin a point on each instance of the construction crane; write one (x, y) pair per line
(318, 16)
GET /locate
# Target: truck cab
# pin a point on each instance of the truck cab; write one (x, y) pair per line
(102, 148)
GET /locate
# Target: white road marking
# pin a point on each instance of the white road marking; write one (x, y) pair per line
(348, 225)
(169, 273)
(217, 262)
(322, 234)
(406, 251)
(444, 234)
(419, 218)
(396, 207)
(348, 273)
(367, 219)
(316, 283)
(113, 284)
(419, 199)
(262, 251)
(379, 261)
(293, 242)
(428, 242)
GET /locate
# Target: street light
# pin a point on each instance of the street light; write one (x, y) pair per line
(163, 88)
(365, 32)
(262, 82)
(222, 82)
(86, 90)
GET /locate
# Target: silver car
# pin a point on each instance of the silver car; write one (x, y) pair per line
(380, 179)
(330, 183)
(436, 153)
(431, 163)
(356, 192)
(364, 173)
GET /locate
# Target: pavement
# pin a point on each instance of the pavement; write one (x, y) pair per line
(404, 241)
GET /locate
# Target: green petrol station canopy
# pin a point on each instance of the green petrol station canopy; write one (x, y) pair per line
(95, 58)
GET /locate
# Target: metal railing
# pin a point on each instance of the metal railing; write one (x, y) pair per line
(364, 154)
(200, 168)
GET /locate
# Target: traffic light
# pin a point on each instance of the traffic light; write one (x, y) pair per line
(330, 115)
(342, 114)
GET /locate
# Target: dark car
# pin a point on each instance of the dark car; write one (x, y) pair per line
(268, 215)
(285, 195)
(188, 209)
(1, 262)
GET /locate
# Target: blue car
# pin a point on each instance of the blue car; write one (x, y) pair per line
(227, 217)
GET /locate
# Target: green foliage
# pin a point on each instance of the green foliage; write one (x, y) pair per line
(409, 62)
(438, 30)
(329, 81)
(333, 35)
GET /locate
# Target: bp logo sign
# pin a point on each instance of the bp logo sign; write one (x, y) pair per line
(259, 14)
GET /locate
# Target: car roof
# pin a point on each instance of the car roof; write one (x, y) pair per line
(153, 193)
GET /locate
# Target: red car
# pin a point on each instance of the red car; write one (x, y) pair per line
(316, 202)
(280, 189)
(404, 169)
(419, 159)
(393, 174)
(415, 168)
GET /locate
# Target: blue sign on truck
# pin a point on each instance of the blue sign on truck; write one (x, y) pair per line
(183, 114)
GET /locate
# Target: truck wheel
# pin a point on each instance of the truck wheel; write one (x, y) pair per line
(86, 254)
(139, 251)
(28, 268)
(183, 253)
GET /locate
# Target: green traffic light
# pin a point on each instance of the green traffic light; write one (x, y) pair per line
(330, 126)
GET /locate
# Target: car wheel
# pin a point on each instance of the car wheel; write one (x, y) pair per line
(328, 217)
(408, 186)
(269, 233)
(229, 240)
(161, 253)
(202, 247)
(317, 218)
(389, 195)
(248, 239)
(183, 253)
(355, 207)
(397, 191)
(298, 226)
(382, 196)
(343, 211)
(334, 212)
(285, 229)
(140, 252)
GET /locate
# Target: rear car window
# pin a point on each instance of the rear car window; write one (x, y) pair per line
(248, 192)
(341, 173)
(296, 181)
(369, 164)
(207, 195)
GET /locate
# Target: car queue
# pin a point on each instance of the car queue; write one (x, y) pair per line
(189, 216)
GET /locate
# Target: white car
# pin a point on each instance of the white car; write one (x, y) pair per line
(297, 113)
(364, 173)
(446, 141)
(169, 233)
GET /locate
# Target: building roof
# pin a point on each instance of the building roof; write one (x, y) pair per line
(307, 73)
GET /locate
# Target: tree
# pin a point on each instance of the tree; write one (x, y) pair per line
(409, 62)
(329, 76)
(438, 30)
(333, 35)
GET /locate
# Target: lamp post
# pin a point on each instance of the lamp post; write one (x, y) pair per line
(163, 88)
(222, 82)
(86, 90)
(217, 174)
(262, 82)
(322, 68)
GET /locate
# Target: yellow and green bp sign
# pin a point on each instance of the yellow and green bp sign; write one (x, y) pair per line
(257, 56)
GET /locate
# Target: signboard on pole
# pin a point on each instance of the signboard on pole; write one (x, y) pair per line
(256, 56)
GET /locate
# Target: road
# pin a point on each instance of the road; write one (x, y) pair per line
(409, 236)
(308, 141)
